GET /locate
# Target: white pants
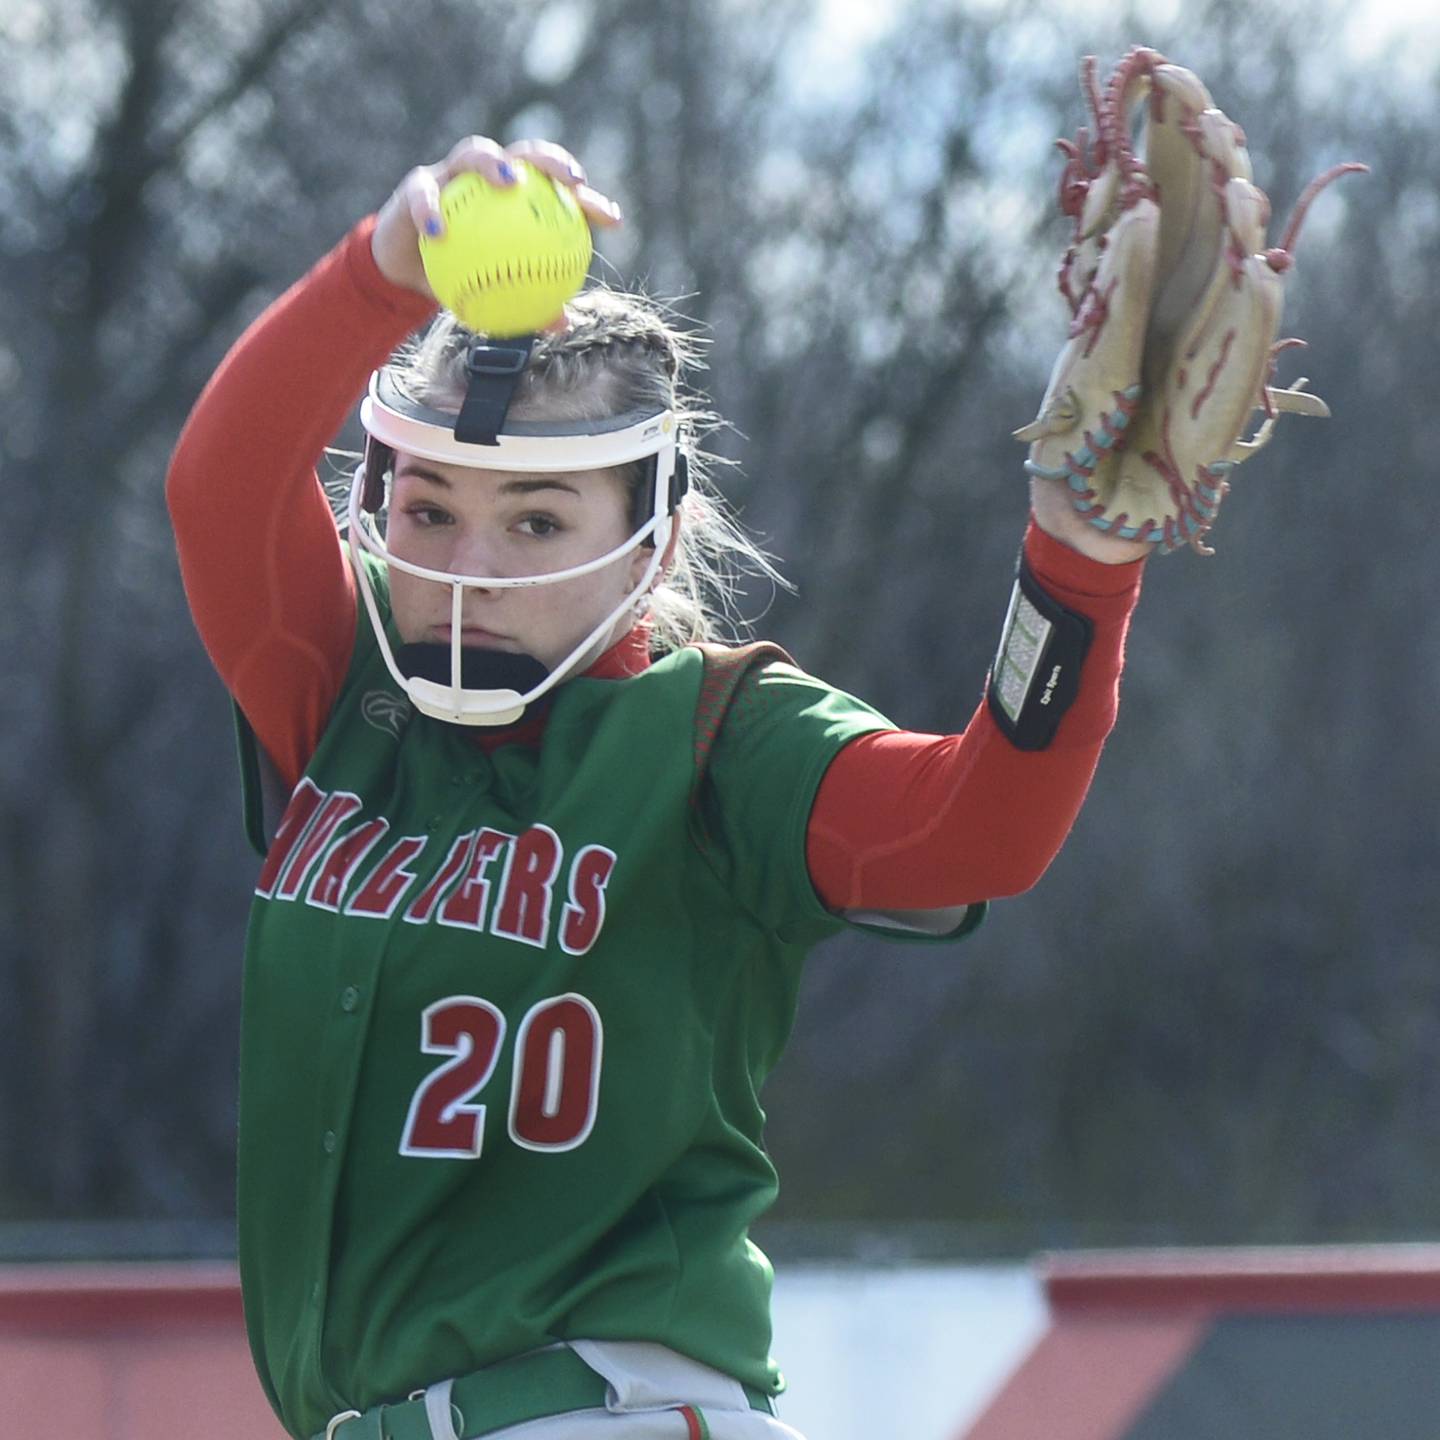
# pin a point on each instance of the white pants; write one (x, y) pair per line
(647, 1386)
(656, 1425)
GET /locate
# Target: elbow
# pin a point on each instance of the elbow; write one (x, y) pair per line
(1012, 874)
(180, 482)
(1018, 881)
(200, 450)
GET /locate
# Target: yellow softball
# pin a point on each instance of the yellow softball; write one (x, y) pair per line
(511, 255)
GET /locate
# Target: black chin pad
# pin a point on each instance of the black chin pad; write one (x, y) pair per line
(479, 669)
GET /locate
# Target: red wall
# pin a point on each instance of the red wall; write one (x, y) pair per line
(1123, 1323)
(128, 1352)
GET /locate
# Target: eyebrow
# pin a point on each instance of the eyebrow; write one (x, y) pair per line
(518, 486)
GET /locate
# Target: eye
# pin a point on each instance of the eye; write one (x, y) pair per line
(428, 516)
(539, 526)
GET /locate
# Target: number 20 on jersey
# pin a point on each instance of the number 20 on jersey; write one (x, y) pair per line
(553, 1092)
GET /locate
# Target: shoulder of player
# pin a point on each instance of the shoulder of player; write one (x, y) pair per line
(774, 691)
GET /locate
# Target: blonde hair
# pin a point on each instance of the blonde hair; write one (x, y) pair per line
(622, 351)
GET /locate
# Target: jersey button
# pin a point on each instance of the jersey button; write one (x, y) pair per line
(349, 998)
(328, 1142)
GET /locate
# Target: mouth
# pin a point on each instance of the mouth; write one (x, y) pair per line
(473, 636)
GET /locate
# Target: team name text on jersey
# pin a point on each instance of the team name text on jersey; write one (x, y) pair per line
(488, 879)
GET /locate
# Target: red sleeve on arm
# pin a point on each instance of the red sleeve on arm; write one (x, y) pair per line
(265, 575)
(904, 821)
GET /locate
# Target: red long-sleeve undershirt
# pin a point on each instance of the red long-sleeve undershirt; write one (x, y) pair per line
(902, 821)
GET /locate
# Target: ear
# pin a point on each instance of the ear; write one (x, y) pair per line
(670, 545)
(640, 560)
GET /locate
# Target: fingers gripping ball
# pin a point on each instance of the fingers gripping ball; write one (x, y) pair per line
(510, 256)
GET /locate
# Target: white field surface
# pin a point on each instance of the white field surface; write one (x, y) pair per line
(914, 1353)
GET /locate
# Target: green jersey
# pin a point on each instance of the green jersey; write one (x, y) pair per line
(506, 1018)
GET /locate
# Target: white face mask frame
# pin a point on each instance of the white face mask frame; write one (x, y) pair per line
(395, 421)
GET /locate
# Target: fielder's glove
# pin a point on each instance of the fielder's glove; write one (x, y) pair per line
(1175, 306)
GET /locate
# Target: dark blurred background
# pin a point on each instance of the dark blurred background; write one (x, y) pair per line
(1214, 1020)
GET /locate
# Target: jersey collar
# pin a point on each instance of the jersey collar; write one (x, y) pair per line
(628, 656)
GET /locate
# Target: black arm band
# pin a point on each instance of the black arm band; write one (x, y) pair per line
(1036, 676)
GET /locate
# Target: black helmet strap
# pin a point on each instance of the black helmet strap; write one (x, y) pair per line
(493, 371)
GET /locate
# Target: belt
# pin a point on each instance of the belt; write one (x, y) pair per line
(529, 1387)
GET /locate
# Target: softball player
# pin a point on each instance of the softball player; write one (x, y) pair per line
(541, 862)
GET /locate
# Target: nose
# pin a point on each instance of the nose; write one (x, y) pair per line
(477, 603)
(476, 553)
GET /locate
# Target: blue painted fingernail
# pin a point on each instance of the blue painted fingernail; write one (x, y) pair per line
(507, 171)
(432, 225)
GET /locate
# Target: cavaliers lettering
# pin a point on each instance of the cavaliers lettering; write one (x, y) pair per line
(486, 879)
